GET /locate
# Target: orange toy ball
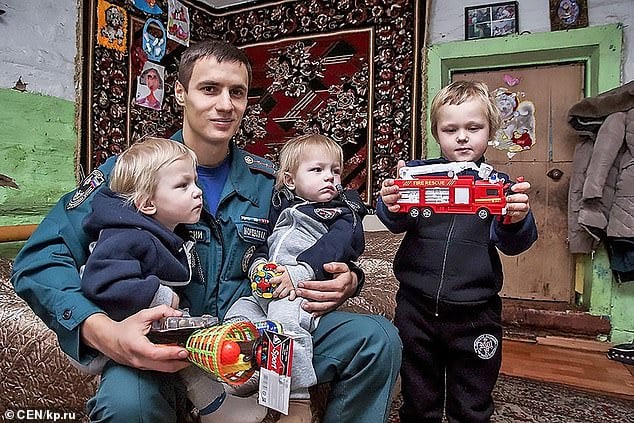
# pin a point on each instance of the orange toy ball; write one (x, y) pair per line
(229, 352)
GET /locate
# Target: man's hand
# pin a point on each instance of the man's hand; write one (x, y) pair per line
(325, 296)
(125, 342)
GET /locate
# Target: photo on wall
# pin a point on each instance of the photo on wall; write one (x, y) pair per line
(491, 20)
(568, 14)
(150, 89)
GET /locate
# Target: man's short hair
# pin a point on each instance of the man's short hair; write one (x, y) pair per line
(219, 50)
(134, 173)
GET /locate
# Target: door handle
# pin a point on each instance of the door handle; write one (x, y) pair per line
(555, 174)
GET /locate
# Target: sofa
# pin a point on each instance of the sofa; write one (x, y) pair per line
(35, 374)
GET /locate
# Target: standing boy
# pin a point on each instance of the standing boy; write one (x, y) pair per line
(448, 309)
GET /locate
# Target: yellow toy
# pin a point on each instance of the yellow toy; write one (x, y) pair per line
(261, 277)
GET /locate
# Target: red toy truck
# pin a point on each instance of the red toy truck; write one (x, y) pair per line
(424, 194)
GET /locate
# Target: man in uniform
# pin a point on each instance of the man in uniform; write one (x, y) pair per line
(359, 354)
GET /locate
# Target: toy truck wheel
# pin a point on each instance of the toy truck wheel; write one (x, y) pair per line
(427, 212)
(483, 213)
(414, 212)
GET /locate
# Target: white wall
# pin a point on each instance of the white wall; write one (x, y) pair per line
(447, 22)
(38, 43)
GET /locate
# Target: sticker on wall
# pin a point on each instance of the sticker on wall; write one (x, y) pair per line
(20, 85)
(510, 80)
(178, 22)
(150, 86)
(517, 132)
(112, 26)
(154, 39)
(148, 6)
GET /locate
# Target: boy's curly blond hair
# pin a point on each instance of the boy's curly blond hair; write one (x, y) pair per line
(460, 91)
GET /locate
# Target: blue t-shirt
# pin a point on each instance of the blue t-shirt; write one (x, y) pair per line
(211, 181)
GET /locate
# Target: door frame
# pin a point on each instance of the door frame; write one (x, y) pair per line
(598, 47)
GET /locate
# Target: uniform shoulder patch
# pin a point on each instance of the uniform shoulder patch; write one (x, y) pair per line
(246, 259)
(87, 187)
(327, 213)
(260, 164)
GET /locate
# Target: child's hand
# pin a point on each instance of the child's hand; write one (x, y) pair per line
(389, 191)
(285, 287)
(175, 301)
(517, 205)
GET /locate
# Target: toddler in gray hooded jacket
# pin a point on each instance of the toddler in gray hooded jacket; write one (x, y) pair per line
(313, 221)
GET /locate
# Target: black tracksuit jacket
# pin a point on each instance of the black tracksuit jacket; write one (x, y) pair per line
(452, 259)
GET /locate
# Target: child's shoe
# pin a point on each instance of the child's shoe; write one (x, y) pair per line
(205, 393)
(237, 410)
(246, 389)
(623, 353)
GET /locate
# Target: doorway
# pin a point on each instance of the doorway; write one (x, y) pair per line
(599, 50)
(546, 271)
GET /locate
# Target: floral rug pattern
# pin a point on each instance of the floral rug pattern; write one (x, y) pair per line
(523, 400)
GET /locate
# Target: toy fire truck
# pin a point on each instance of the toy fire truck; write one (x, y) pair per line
(439, 188)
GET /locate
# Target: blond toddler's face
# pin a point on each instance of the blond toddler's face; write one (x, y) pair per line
(463, 131)
(317, 176)
(177, 198)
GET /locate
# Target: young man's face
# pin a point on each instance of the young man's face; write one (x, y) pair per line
(463, 131)
(177, 198)
(317, 176)
(214, 102)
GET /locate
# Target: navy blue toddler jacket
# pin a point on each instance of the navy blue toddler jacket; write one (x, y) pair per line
(133, 255)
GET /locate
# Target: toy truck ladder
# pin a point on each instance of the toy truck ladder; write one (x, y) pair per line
(451, 169)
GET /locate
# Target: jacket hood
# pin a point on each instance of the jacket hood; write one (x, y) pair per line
(587, 116)
(619, 99)
(111, 211)
(349, 198)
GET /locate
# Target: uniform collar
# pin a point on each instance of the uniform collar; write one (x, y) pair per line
(240, 176)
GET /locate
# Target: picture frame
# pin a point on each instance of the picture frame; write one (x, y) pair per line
(568, 14)
(491, 20)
